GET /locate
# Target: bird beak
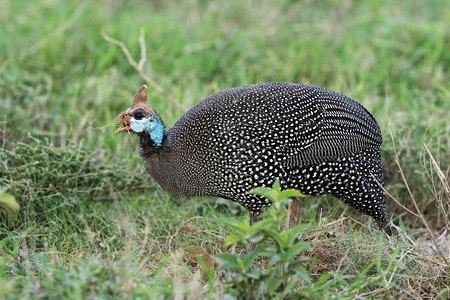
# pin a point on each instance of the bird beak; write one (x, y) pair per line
(123, 119)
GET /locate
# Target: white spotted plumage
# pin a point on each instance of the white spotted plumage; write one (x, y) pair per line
(309, 138)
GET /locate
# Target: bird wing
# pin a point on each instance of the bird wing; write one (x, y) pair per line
(300, 124)
(328, 129)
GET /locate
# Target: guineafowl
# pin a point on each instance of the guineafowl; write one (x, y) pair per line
(309, 138)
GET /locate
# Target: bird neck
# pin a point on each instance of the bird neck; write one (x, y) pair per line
(156, 132)
(151, 138)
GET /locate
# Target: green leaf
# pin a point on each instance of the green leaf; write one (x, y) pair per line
(241, 226)
(255, 273)
(273, 234)
(252, 255)
(229, 261)
(10, 205)
(160, 266)
(241, 265)
(226, 257)
(301, 272)
(273, 283)
(256, 238)
(266, 193)
(233, 238)
(269, 193)
(295, 250)
(260, 224)
(281, 238)
(295, 231)
(288, 193)
(323, 279)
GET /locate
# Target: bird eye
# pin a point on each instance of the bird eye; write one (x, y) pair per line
(139, 114)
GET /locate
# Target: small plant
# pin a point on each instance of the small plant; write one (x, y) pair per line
(279, 258)
(275, 268)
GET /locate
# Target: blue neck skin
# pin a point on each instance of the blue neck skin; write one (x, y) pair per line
(151, 125)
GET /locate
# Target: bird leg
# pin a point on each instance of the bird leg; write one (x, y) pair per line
(383, 226)
(254, 217)
(293, 213)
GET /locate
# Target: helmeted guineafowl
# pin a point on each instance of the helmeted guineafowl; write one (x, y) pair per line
(309, 138)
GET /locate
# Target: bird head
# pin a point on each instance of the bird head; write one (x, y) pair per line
(135, 117)
(139, 117)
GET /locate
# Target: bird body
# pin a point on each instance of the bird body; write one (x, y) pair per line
(308, 138)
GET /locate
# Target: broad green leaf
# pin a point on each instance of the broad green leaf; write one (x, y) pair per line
(280, 237)
(274, 235)
(260, 224)
(288, 193)
(255, 273)
(295, 231)
(252, 255)
(301, 272)
(242, 226)
(256, 238)
(241, 264)
(266, 193)
(276, 185)
(273, 283)
(233, 238)
(226, 257)
(229, 261)
(260, 191)
(295, 250)
(269, 193)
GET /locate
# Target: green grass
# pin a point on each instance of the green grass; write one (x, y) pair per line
(94, 225)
